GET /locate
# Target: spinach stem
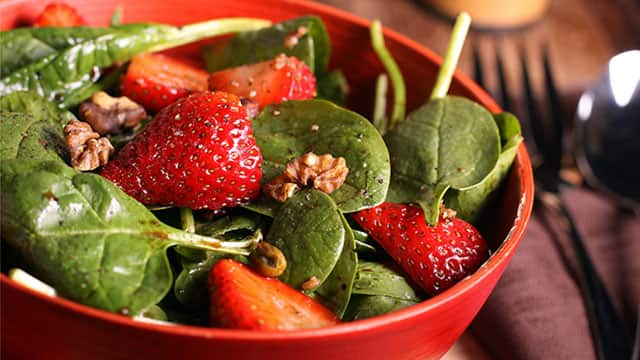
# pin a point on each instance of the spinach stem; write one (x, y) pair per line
(242, 247)
(207, 29)
(116, 17)
(380, 104)
(186, 218)
(390, 65)
(451, 56)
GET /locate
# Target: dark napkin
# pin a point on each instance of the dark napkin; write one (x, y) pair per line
(536, 310)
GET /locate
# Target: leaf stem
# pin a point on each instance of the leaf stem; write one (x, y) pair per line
(451, 56)
(186, 218)
(243, 247)
(390, 65)
(207, 29)
(25, 279)
(380, 104)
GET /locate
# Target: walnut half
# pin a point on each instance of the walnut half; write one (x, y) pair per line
(107, 115)
(323, 172)
(87, 149)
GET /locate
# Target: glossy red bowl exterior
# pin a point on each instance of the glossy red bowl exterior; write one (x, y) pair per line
(37, 327)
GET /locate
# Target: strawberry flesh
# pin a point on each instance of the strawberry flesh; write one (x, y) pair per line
(198, 152)
(155, 80)
(243, 299)
(268, 82)
(58, 14)
(435, 257)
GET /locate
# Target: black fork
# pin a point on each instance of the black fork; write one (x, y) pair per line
(545, 129)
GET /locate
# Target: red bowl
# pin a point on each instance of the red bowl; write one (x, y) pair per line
(35, 326)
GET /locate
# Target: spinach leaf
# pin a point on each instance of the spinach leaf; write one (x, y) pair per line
(227, 225)
(310, 232)
(470, 203)
(335, 292)
(447, 143)
(333, 86)
(366, 306)
(23, 46)
(31, 128)
(284, 132)
(375, 278)
(64, 72)
(251, 47)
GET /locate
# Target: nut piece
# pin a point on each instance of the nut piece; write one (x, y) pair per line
(268, 260)
(251, 106)
(292, 39)
(310, 284)
(324, 173)
(87, 149)
(447, 213)
(107, 115)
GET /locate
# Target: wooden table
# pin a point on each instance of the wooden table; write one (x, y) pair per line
(581, 35)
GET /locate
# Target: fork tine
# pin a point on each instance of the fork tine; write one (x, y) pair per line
(555, 139)
(478, 74)
(534, 120)
(502, 82)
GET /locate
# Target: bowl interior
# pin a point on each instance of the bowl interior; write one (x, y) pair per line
(351, 52)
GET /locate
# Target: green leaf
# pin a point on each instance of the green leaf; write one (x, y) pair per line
(450, 142)
(24, 46)
(333, 86)
(375, 278)
(470, 203)
(335, 292)
(63, 73)
(31, 128)
(365, 306)
(251, 47)
(310, 232)
(284, 132)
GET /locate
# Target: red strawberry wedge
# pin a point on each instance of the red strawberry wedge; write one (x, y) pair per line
(268, 82)
(435, 257)
(242, 299)
(58, 14)
(198, 152)
(155, 80)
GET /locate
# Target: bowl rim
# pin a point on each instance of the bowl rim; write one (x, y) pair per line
(508, 246)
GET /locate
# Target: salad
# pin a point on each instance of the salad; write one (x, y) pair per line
(241, 194)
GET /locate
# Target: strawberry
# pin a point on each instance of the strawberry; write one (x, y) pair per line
(155, 80)
(58, 14)
(268, 82)
(435, 257)
(242, 299)
(198, 152)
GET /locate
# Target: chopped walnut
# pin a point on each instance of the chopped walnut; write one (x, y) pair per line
(310, 284)
(87, 149)
(324, 173)
(251, 107)
(292, 39)
(447, 213)
(107, 115)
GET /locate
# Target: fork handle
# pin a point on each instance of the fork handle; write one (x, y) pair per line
(610, 338)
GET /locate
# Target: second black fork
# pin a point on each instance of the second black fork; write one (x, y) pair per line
(544, 128)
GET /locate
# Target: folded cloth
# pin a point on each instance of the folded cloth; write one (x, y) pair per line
(537, 310)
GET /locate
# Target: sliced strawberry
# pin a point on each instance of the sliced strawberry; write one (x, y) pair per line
(58, 14)
(155, 80)
(435, 257)
(268, 82)
(242, 299)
